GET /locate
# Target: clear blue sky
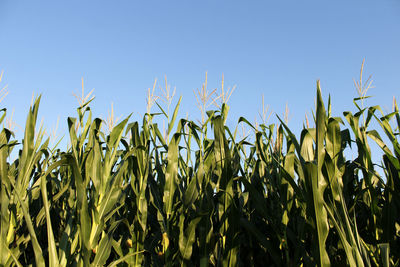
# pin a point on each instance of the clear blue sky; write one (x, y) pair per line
(275, 48)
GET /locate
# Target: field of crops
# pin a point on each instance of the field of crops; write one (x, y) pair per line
(198, 194)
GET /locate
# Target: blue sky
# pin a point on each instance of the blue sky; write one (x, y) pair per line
(275, 48)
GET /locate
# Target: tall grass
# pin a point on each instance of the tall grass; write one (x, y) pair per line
(134, 196)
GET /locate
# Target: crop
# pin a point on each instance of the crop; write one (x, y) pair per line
(198, 194)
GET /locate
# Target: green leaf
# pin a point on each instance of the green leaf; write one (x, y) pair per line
(171, 174)
(319, 183)
(187, 236)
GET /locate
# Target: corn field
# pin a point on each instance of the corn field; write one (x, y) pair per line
(197, 194)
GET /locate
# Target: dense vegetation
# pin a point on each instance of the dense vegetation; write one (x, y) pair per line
(200, 195)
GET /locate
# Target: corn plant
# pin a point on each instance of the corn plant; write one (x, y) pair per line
(195, 193)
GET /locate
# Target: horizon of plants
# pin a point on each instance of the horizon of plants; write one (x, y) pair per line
(196, 193)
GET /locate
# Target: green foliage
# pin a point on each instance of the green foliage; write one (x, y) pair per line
(184, 198)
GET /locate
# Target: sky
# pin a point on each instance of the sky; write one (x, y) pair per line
(273, 48)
